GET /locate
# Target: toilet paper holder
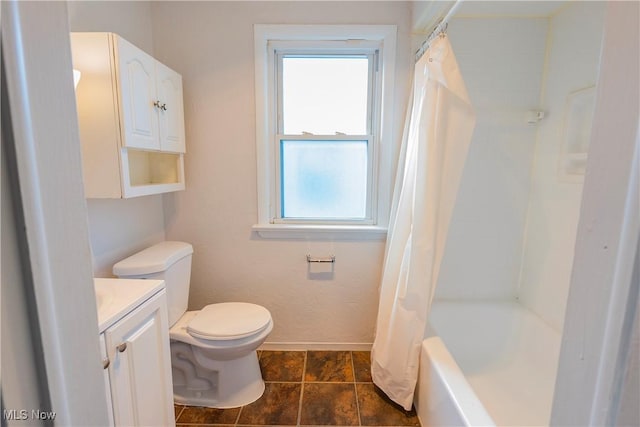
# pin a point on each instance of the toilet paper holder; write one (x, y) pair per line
(330, 258)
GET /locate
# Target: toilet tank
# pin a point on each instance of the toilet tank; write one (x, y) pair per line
(168, 261)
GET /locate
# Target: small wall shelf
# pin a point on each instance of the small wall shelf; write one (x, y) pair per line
(577, 134)
(149, 172)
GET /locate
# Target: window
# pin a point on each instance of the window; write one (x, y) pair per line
(320, 135)
(324, 136)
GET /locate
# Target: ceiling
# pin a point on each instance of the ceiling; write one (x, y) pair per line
(509, 8)
(426, 14)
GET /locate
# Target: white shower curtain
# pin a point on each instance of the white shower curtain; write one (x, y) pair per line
(434, 149)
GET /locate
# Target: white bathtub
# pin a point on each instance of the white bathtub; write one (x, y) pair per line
(486, 363)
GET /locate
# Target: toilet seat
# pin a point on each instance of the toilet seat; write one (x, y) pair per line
(229, 321)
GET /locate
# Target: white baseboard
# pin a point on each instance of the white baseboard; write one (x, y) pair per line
(331, 346)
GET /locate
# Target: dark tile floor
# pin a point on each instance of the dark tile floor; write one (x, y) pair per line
(309, 388)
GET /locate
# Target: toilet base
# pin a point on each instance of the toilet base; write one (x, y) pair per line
(201, 381)
(183, 396)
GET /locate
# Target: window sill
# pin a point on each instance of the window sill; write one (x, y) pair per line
(320, 232)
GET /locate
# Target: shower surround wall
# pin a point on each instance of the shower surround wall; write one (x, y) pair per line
(573, 57)
(513, 231)
(501, 60)
(211, 45)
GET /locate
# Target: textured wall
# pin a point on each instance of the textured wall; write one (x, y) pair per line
(119, 228)
(211, 45)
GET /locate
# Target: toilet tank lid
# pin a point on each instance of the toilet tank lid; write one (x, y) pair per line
(154, 259)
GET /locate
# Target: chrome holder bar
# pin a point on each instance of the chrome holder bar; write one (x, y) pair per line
(330, 258)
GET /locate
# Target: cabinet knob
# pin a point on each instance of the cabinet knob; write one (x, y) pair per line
(105, 363)
(164, 107)
(122, 347)
(157, 104)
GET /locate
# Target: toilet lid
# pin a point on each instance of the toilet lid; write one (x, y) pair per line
(229, 321)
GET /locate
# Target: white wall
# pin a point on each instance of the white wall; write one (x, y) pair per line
(501, 61)
(130, 19)
(119, 228)
(601, 303)
(554, 201)
(211, 45)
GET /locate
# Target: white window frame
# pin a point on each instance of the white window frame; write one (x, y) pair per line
(270, 39)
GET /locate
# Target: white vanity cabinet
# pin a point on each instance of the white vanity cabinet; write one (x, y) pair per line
(134, 329)
(107, 384)
(131, 118)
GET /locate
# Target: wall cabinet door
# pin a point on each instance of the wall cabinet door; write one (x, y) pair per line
(169, 87)
(140, 369)
(139, 101)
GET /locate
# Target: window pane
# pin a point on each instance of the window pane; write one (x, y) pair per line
(324, 179)
(325, 95)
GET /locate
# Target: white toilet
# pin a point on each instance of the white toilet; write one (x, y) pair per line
(213, 350)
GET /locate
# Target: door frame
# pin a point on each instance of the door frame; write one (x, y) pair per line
(56, 255)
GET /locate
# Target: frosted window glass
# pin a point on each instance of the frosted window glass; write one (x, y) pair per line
(324, 179)
(325, 95)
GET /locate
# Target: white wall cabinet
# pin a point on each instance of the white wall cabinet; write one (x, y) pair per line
(140, 366)
(131, 118)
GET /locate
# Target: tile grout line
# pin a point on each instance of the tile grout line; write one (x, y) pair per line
(318, 382)
(238, 417)
(180, 412)
(355, 387)
(304, 371)
(259, 355)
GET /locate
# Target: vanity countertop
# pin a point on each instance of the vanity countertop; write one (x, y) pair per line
(117, 297)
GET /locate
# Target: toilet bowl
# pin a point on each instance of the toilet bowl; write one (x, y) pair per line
(218, 367)
(213, 350)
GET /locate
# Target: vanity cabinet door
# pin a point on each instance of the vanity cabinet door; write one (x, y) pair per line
(107, 384)
(140, 369)
(138, 98)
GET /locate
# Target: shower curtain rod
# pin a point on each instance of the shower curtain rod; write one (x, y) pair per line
(440, 28)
